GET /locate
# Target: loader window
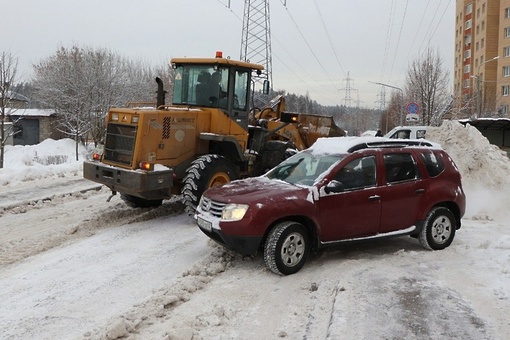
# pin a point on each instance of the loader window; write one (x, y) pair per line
(200, 85)
(241, 90)
(218, 88)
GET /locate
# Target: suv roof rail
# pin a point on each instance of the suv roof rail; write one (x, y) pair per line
(390, 144)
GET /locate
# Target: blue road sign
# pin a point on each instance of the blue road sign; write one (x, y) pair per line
(413, 108)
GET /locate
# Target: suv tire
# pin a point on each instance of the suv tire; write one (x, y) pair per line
(286, 248)
(439, 229)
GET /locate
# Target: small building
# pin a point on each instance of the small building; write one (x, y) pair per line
(496, 130)
(32, 126)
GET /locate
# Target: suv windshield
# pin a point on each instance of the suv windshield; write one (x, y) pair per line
(303, 168)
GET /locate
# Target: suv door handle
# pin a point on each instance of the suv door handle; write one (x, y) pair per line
(374, 198)
(420, 191)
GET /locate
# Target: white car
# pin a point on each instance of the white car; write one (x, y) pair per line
(407, 132)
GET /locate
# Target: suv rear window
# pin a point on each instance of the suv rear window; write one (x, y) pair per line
(433, 163)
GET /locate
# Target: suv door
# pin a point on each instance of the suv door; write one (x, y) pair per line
(402, 191)
(355, 211)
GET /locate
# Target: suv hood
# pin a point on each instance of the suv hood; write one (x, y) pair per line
(255, 190)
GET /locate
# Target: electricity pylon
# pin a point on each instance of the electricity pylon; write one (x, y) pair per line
(256, 38)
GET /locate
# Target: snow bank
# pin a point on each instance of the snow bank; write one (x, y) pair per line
(479, 162)
(48, 159)
(484, 167)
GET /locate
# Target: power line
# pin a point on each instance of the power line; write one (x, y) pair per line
(418, 30)
(328, 36)
(398, 39)
(388, 37)
(308, 45)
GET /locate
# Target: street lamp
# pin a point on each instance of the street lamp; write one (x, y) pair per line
(402, 98)
(479, 92)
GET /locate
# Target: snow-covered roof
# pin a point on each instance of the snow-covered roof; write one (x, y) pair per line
(31, 112)
(16, 96)
(488, 123)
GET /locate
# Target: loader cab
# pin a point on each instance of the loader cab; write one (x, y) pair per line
(217, 83)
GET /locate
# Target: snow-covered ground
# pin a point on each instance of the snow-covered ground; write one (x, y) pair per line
(73, 266)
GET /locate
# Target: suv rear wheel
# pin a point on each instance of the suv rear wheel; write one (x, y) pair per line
(286, 248)
(439, 229)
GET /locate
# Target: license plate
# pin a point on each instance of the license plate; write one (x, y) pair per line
(206, 225)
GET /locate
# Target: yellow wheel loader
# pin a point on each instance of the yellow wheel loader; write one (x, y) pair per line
(209, 135)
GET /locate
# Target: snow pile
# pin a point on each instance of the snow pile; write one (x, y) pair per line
(484, 167)
(50, 158)
(478, 160)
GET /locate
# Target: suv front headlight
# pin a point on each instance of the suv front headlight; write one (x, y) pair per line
(233, 212)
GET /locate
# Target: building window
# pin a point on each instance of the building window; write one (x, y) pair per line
(505, 90)
(467, 54)
(506, 71)
(477, 46)
(507, 32)
(482, 43)
(506, 51)
(507, 12)
(478, 13)
(468, 24)
(469, 9)
(467, 39)
(503, 109)
(467, 68)
(477, 29)
(483, 25)
(483, 8)
(467, 83)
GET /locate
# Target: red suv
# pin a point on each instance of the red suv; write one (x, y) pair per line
(339, 190)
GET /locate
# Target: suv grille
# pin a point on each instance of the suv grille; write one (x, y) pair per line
(120, 143)
(213, 207)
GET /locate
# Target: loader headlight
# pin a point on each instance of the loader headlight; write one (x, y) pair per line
(233, 212)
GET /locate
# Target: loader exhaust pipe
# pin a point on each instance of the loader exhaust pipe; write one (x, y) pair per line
(160, 101)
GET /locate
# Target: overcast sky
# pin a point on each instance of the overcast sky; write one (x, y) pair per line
(317, 44)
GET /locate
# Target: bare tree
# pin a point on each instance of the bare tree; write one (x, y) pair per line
(81, 84)
(427, 83)
(8, 71)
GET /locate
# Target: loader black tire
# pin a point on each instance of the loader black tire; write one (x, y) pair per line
(273, 153)
(138, 202)
(205, 172)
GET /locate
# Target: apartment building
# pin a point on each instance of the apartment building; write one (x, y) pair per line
(482, 58)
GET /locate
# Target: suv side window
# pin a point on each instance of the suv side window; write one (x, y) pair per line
(359, 173)
(433, 162)
(400, 167)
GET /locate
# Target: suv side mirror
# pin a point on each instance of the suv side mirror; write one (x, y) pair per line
(334, 186)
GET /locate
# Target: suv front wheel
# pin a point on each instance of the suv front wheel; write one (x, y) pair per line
(439, 229)
(286, 248)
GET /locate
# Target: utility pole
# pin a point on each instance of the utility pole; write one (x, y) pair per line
(382, 107)
(382, 100)
(479, 91)
(402, 98)
(256, 38)
(348, 99)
